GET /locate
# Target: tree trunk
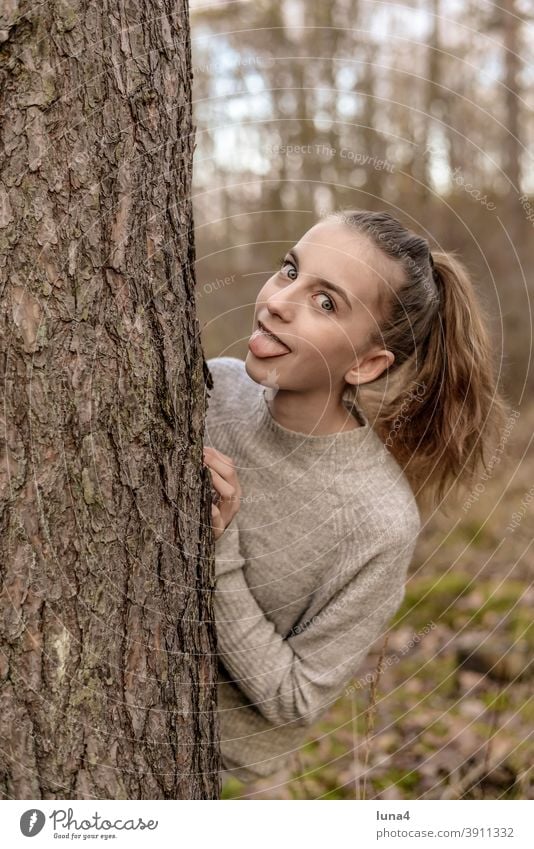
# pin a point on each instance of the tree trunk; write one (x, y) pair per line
(108, 662)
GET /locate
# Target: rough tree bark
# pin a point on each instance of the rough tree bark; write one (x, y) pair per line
(108, 651)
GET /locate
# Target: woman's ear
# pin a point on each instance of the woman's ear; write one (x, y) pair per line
(370, 367)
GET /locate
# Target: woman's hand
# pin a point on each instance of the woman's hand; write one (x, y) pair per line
(228, 489)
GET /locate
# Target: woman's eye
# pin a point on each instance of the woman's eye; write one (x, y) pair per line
(291, 268)
(332, 306)
(285, 263)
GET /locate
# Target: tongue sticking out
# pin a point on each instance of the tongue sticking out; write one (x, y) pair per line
(263, 345)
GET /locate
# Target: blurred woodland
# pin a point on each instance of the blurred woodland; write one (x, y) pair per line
(424, 109)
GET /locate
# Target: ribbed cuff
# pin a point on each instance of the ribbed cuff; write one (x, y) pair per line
(227, 556)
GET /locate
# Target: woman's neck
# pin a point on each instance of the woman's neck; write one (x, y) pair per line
(305, 413)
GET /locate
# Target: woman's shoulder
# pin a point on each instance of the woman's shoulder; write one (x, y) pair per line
(381, 500)
(226, 368)
(225, 363)
(230, 376)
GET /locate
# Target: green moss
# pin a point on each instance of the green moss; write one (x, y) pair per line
(497, 702)
(500, 599)
(522, 627)
(429, 599)
(476, 534)
(310, 748)
(231, 788)
(335, 793)
(433, 599)
(336, 747)
(526, 712)
(438, 727)
(409, 782)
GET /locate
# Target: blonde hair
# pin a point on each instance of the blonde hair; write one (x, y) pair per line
(441, 407)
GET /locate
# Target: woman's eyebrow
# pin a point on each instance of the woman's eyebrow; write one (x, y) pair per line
(326, 283)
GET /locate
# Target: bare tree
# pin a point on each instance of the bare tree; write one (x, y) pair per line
(511, 25)
(108, 660)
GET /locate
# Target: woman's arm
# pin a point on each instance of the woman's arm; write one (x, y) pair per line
(297, 677)
(227, 554)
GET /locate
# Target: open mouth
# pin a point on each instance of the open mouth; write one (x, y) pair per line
(272, 335)
(264, 344)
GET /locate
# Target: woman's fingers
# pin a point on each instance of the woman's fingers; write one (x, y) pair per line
(218, 457)
(224, 468)
(217, 521)
(223, 487)
(215, 451)
(226, 485)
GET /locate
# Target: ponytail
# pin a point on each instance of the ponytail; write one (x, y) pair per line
(455, 409)
(440, 408)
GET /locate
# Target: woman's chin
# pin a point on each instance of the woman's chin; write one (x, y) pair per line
(255, 366)
(261, 369)
(252, 366)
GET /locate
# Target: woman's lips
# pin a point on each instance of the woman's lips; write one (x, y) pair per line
(263, 345)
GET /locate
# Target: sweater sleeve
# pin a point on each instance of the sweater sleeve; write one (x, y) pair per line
(295, 678)
(227, 554)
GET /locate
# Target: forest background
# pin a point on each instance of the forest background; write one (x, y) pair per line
(424, 109)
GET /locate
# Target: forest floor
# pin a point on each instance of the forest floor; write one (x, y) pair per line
(444, 709)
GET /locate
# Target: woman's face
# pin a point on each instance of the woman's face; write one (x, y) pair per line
(327, 331)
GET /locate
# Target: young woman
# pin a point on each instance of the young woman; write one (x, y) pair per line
(317, 481)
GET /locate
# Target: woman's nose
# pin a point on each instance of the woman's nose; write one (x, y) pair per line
(281, 312)
(282, 304)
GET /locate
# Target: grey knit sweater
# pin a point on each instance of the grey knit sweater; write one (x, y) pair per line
(308, 573)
